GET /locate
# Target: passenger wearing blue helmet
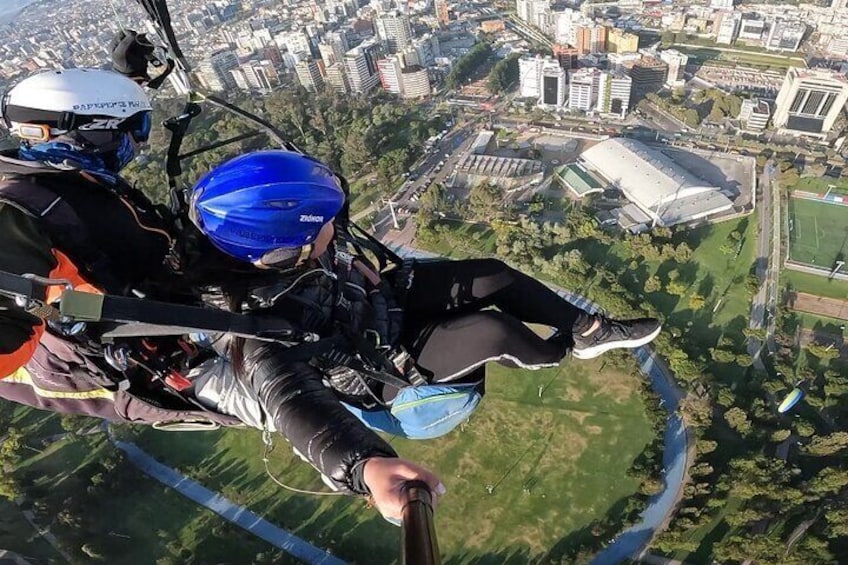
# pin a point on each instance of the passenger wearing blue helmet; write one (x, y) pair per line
(69, 220)
(403, 343)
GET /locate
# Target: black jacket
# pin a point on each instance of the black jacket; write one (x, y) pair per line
(131, 255)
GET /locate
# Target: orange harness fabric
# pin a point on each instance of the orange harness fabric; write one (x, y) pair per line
(64, 269)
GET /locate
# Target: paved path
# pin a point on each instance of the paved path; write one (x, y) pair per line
(236, 514)
(44, 533)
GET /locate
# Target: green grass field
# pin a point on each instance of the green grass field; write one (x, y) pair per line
(821, 185)
(814, 284)
(818, 233)
(571, 449)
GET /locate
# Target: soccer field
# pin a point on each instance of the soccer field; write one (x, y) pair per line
(818, 232)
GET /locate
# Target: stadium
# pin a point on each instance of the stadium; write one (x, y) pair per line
(661, 191)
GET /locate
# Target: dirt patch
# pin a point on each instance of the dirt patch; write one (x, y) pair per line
(617, 385)
(594, 430)
(819, 305)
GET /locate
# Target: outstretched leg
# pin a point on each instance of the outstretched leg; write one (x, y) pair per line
(458, 287)
(443, 289)
(450, 349)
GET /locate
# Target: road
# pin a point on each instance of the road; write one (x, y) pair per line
(764, 302)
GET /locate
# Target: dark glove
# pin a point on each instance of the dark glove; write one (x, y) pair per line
(131, 51)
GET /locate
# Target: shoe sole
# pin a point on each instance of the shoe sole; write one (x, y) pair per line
(592, 352)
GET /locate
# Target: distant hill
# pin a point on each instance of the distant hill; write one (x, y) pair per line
(10, 8)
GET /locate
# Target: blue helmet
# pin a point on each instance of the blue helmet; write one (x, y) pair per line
(262, 203)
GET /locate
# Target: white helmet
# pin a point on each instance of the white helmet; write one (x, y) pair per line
(54, 103)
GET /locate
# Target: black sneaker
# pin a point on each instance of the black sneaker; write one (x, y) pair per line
(616, 334)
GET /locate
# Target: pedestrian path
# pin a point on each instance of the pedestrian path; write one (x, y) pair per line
(228, 510)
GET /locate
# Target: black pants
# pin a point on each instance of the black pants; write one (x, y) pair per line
(451, 330)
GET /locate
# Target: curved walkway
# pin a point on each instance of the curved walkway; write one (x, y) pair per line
(631, 543)
(228, 510)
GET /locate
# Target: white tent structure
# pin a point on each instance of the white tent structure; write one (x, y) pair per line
(662, 189)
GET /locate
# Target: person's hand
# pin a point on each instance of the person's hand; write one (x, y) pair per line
(385, 478)
(131, 52)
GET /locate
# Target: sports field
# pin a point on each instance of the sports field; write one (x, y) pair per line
(818, 232)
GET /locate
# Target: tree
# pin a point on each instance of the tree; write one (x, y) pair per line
(738, 420)
(696, 302)
(675, 288)
(467, 64)
(503, 74)
(691, 118)
(653, 284)
(821, 446)
(828, 480)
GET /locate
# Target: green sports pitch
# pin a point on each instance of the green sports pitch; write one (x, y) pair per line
(818, 232)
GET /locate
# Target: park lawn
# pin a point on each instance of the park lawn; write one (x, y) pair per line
(814, 284)
(363, 193)
(463, 240)
(812, 321)
(570, 449)
(150, 514)
(719, 278)
(820, 185)
(16, 534)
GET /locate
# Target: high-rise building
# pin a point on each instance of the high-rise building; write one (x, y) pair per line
(214, 71)
(598, 39)
(262, 75)
(328, 54)
(839, 5)
(309, 75)
(389, 70)
(394, 31)
(620, 41)
(553, 84)
(785, 35)
(522, 9)
(648, 75)
(622, 62)
(676, 62)
(415, 82)
(721, 4)
(536, 13)
(614, 90)
(337, 78)
(752, 27)
(293, 41)
(442, 11)
(541, 15)
(361, 67)
(530, 76)
(583, 39)
(583, 89)
(423, 51)
(563, 23)
(728, 27)
(810, 101)
(754, 114)
(837, 46)
(567, 56)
